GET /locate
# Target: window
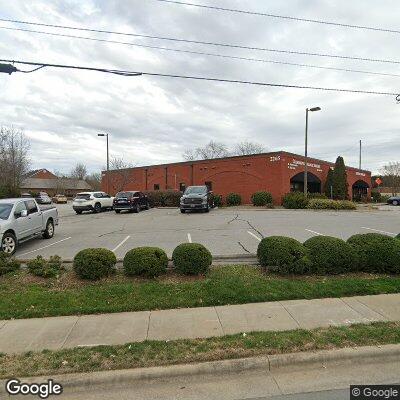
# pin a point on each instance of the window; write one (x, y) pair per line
(31, 206)
(5, 210)
(182, 187)
(209, 185)
(156, 186)
(98, 195)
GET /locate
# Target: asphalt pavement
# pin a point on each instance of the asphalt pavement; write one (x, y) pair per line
(227, 231)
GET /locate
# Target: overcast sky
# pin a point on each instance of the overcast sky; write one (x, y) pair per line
(154, 119)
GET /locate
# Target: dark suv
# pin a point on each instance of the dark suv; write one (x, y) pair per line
(197, 198)
(130, 201)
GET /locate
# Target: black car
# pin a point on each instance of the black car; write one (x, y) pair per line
(394, 200)
(197, 198)
(130, 201)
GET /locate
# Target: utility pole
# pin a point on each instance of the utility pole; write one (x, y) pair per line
(359, 162)
(306, 150)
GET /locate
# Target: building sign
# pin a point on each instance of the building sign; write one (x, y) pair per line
(295, 163)
(360, 173)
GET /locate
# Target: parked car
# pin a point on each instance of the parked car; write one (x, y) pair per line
(26, 195)
(197, 198)
(92, 201)
(43, 198)
(60, 199)
(130, 201)
(23, 219)
(395, 200)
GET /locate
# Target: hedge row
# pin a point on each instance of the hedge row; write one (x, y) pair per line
(167, 198)
(315, 201)
(370, 252)
(150, 262)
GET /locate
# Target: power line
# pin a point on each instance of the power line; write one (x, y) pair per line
(236, 46)
(202, 78)
(202, 53)
(263, 14)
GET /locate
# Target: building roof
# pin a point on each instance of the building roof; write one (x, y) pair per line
(62, 183)
(34, 172)
(241, 156)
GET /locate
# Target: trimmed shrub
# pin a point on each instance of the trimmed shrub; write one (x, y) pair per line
(191, 259)
(45, 268)
(233, 199)
(94, 263)
(398, 236)
(327, 204)
(145, 261)
(217, 200)
(159, 198)
(283, 255)
(377, 252)
(330, 255)
(316, 196)
(376, 197)
(294, 200)
(262, 199)
(8, 264)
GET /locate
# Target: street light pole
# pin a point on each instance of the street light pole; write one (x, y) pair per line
(108, 161)
(306, 150)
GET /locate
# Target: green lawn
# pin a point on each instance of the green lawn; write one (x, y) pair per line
(24, 296)
(154, 353)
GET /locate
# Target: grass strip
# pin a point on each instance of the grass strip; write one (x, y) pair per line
(157, 353)
(24, 296)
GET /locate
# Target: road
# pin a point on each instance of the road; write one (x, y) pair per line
(329, 383)
(223, 231)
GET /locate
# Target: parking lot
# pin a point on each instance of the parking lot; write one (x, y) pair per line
(223, 231)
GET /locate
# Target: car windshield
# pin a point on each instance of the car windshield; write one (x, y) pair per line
(195, 190)
(5, 210)
(123, 194)
(84, 196)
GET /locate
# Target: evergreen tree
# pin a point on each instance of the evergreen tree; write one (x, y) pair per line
(339, 181)
(328, 183)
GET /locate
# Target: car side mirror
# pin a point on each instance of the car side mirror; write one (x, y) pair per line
(23, 213)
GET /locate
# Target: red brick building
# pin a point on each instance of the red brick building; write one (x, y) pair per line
(277, 172)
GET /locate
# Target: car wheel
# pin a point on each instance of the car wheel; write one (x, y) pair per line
(49, 232)
(147, 206)
(395, 202)
(117, 211)
(9, 243)
(137, 209)
(97, 208)
(78, 212)
(183, 211)
(206, 210)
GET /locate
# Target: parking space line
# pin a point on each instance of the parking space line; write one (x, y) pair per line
(189, 238)
(254, 236)
(377, 230)
(44, 247)
(114, 250)
(317, 233)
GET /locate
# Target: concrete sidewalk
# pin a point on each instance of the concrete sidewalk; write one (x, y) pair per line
(90, 330)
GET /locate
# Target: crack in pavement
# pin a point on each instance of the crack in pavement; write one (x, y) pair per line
(248, 223)
(110, 233)
(244, 248)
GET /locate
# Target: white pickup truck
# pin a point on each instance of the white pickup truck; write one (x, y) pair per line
(23, 219)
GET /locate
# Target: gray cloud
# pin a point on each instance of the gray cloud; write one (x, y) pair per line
(152, 120)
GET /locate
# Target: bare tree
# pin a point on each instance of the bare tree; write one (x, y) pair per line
(246, 148)
(14, 161)
(189, 155)
(79, 172)
(94, 180)
(121, 174)
(391, 174)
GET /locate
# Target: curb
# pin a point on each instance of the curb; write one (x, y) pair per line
(216, 260)
(270, 363)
